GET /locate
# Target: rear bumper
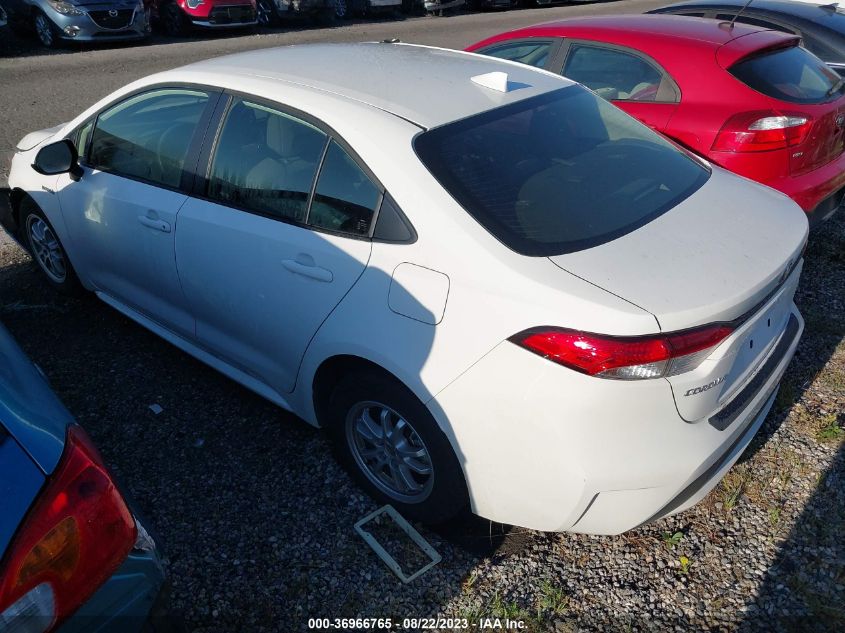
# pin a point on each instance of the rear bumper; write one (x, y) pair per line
(813, 189)
(551, 449)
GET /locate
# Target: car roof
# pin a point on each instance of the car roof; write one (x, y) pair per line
(655, 26)
(818, 13)
(424, 85)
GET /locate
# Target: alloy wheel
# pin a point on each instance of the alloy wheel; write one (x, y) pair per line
(264, 12)
(44, 30)
(46, 248)
(340, 8)
(388, 450)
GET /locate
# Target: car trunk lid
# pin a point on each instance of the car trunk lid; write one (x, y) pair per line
(825, 141)
(717, 257)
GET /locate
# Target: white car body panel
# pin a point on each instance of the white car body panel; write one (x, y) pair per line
(124, 243)
(239, 273)
(540, 445)
(694, 295)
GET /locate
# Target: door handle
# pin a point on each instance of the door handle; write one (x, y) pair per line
(154, 223)
(308, 270)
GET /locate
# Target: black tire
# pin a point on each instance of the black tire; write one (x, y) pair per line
(45, 30)
(326, 16)
(266, 13)
(32, 221)
(173, 20)
(445, 493)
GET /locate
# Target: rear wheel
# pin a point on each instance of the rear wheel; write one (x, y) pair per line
(173, 20)
(47, 250)
(390, 443)
(45, 30)
(266, 13)
(341, 9)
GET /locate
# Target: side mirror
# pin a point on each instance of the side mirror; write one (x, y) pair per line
(60, 157)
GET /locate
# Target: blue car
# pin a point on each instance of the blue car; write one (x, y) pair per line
(73, 555)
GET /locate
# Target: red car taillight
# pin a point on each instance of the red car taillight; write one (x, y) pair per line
(624, 358)
(75, 536)
(762, 131)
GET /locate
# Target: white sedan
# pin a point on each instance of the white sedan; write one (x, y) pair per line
(492, 288)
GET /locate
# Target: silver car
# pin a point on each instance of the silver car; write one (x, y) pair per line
(57, 21)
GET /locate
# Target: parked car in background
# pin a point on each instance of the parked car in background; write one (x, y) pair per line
(272, 12)
(440, 7)
(178, 17)
(57, 21)
(551, 363)
(748, 99)
(821, 28)
(72, 552)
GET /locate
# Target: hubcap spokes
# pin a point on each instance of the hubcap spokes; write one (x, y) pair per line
(390, 452)
(263, 14)
(43, 29)
(47, 250)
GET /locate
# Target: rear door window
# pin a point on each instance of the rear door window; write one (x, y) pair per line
(612, 74)
(265, 161)
(789, 74)
(532, 52)
(559, 172)
(345, 199)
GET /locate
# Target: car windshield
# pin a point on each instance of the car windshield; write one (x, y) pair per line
(789, 74)
(560, 172)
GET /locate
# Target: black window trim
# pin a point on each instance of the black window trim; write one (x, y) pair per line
(667, 82)
(199, 185)
(191, 158)
(555, 48)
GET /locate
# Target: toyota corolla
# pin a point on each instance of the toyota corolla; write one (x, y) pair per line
(490, 286)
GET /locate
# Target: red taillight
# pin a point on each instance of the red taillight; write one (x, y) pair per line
(74, 537)
(626, 358)
(762, 131)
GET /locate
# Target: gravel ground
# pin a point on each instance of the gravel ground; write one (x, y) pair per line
(257, 520)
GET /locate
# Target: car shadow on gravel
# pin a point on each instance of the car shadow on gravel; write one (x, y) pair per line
(804, 589)
(253, 513)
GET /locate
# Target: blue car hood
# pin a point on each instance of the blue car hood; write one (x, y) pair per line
(29, 410)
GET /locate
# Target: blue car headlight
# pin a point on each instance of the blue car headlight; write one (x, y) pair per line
(65, 8)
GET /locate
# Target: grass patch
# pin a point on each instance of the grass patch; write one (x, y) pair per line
(671, 539)
(829, 429)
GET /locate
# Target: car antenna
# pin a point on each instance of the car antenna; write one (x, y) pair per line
(730, 24)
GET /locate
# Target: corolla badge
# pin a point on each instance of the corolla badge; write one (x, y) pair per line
(707, 387)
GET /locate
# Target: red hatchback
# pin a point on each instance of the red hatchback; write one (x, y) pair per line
(748, 99)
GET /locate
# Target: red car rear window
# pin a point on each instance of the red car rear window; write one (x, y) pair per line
(789, 74)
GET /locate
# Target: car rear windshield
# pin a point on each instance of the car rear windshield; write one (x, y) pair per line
(790, 74)
(560, 172)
